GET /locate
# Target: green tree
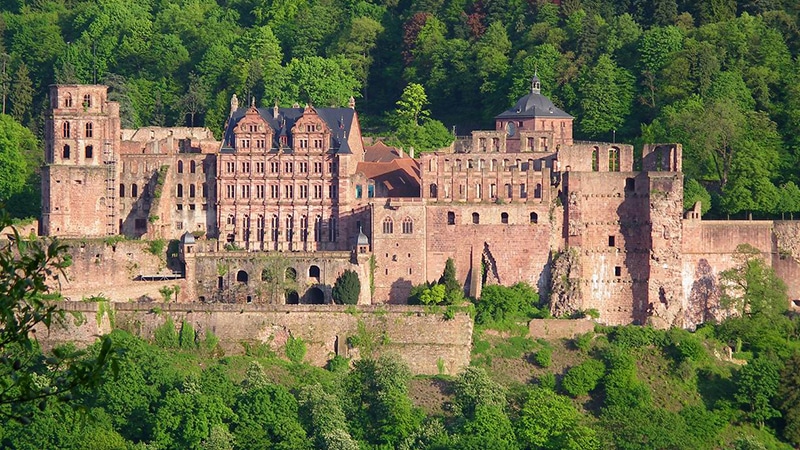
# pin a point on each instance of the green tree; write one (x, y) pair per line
(17, 147)
(548, 420)
(788, 398)
(267, 417)
(356, 44)
(21, 95)
(27, 376)
(751, 288)
(694, 192)
(606, 97)
(347, 288)
(757, 384)
(186, 417)
(583, 378)
(411, 108)
(499, 304)
(322, 415)
(322, 81)
(195, 99)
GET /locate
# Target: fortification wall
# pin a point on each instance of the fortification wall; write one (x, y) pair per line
(112, 269)
(424, 341)
(787, 261)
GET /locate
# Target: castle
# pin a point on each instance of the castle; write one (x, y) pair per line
(292, 197)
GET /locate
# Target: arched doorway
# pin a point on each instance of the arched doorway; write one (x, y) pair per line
(292, 298)
(242, 277)
(291, 274)
(315, 296)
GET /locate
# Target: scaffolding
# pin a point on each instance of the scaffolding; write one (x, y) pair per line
(110, 162)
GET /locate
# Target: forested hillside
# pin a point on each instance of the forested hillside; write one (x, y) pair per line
(720, 76)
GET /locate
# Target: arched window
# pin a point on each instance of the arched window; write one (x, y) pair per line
(246, 228)
(451, 218)
(89, 151)
(595, 159)
(65, 128)
(476, 218)
(477, 190)
(388, 226)
(205, 190)
(180, 166)
(534, 218)
(89, 130)
(408, 225)
(134, 190)
(180, 190)
(231, 220)
(68, 101)
(241, 277)
(537, 193)
(313, 273)
(289, 228)
(613, 159)
(509, 191)
(87, 101)
(290, 274)
(504, 217)
(121, 190)
(65, 152)
(318, 229)
(434, 191)
(304, 228)
(275, 228)
(191, 190)
(192, 167)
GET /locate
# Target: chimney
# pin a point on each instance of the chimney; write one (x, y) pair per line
(411, 152)
(400, 152)
(275, 111)
(352, 102)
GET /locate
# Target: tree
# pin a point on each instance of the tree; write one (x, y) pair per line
(27, 376)
(583, 378)
(322, 81)
(752, 288)
(15, 142)
(789, 398)
(694, 192)
(21, 95)
(448, 278)
(347, 288)
(411, 108)
(267, 417)
(757, 384)
(606, 97)
(322, 415)
(548, 420)
(194, 100)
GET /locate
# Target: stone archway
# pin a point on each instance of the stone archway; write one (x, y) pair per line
(292, 298)
(315, 296)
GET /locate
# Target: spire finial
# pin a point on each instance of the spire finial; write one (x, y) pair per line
(536, 87)
(253, 101)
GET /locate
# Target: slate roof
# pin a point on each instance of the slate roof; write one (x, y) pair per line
(534, 105)
(401, 176)
(339, 120)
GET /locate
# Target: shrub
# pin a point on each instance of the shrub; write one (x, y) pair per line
(186, 339)
(543, 357)
(347, 288)
(165, 335)
(583, 342)
(583, 378)
(156, 247)
(499, 303)
(295, 349)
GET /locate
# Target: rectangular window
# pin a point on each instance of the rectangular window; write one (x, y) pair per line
(358, 191)
(230, 191)
(332, 191)
(246, 191)
(303, 167)
(274, 189)
(245, 143)
(273, 167)
(261, 143)
(230, 167)
(289, 167)
(246, 167)
(260, 191)
(259, 167)
(303, 191)
(371, 190)
(317, 191)
(317, 167)
(288, 191)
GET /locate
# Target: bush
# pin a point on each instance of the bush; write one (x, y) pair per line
(347, 288)
(165, 335)
(295, 349)
(583, 378)
(499, 304)
(187, 336)
(634, 336)
(543, 357)
(583, 342)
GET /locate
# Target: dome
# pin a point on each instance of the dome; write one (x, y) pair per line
(187, 238)
(534, 105)
(362, 238)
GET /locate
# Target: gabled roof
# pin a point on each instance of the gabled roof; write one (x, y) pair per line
(380, 152)
(339, 120)
(400, 177)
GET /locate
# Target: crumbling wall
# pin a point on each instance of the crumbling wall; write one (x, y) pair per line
(566, 296)
(427, 342)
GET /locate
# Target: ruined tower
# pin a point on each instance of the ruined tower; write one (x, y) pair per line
(79, 178)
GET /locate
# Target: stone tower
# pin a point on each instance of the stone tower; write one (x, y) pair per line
(79, 178)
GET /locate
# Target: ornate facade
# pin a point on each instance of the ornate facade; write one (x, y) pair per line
(523, 202)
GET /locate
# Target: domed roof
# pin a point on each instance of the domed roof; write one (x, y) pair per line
(362, 238)
(187, 238)
(534, 105)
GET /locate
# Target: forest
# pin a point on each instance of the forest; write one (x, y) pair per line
(718, 76)
(731, 384)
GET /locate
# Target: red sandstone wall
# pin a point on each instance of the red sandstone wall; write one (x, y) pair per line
(423, 341)
(400, 257)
